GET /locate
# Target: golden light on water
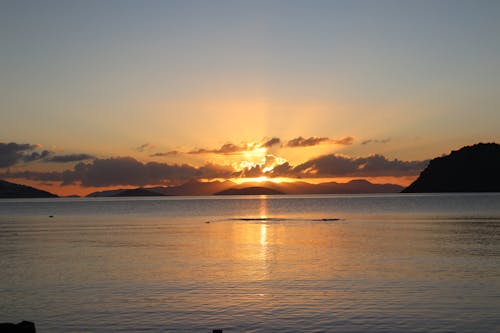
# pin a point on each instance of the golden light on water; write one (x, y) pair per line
(263, 207)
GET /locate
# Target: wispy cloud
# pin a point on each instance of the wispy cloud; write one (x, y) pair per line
(145, 147)
(165, 154)
(370, 141)
(314, 141)
(345, 141)
(271, 142)
(70, 158)
(226, 149)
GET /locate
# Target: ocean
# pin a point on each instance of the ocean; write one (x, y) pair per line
(326, 263)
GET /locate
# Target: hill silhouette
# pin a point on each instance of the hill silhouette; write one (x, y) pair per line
(470, 169)
(352, 187)
(138, 192)
(253, 190)
(194, 187)
(13, 190)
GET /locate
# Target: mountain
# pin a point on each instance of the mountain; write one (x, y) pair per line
(12, 190)
(470, 169)
(138, 192)
(354, 186)
(191, 187)
(194, 187)
(108, 193)
(209, 188)
(254, 190)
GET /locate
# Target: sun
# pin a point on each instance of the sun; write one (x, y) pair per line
(262, 179)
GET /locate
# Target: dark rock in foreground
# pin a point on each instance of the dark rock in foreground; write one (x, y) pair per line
(255, 190)
(22, 327)
(12, 190)
(470, 169)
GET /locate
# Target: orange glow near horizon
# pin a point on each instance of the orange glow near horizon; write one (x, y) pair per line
(76, 189)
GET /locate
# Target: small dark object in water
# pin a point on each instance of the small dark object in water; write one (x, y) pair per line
(216, 331)
(326, 220)
(207, 222)
(51, 216)
(22, 327)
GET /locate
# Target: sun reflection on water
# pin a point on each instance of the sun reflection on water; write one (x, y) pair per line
(263, 207)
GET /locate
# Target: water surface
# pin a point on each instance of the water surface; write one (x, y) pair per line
(348, 263)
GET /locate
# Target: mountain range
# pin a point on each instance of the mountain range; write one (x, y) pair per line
(227, 187)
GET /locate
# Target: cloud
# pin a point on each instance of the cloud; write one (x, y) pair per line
(271, 142)
(13, 153)
(144, 147)
(70, 158)
(35, 156)
(314, 141)
(126, 171)
(51, 176)
(302, 142)
(226, 149)
(346, 141)
(168, 153)
(369, 141)
(333, 165)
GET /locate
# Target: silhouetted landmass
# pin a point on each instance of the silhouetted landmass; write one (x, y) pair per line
(107, 193)
(138, 192)
(191, 187)
(254, 190)
(210, 188)
(470, 169)
(12, 190)
(194, 187)
(352, 187)
(22, 327)
(355, 186)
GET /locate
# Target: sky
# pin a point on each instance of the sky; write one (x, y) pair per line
(100, 94)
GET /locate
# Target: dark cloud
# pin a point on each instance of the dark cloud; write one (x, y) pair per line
(271, 142)
(51, 176)
(226, 149)
(35, 156)
(70, 158)
(302, 142)
(126, 171)
(341, 166)
(369, 141)
(314, 141)
(210, 171)
(168, 153)
(13, 153)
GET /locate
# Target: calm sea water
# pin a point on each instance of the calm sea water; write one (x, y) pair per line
(391, 263)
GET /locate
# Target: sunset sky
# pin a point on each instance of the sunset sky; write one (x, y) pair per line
(102, 94)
